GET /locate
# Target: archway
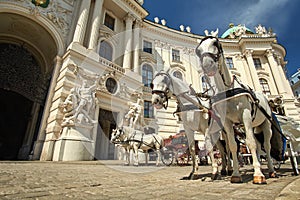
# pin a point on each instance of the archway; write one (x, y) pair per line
(21, 97)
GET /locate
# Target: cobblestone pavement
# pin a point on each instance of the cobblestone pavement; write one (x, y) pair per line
(111, 180)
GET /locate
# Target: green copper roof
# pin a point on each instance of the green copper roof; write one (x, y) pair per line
(232, 30)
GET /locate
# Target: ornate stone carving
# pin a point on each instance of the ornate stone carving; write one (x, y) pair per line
(21, 73)
(59, 12)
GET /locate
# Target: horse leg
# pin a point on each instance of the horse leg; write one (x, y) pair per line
(127, 156)
(228, 158)
(236, 177)
(146, 157)
(223, 156)
(136, 152)
(266, 126)
(158, 156)
(258, 177)
(191, 141)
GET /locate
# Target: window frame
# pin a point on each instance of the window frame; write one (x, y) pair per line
(109, 21)
(229, 63)
(175, 55)
(146, 79)
(148, 109)
(257, 63)
(265, 86)
(147, 46)
(101, 48)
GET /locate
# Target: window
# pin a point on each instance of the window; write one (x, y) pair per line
(109, 22)
(229, 63)
(265, 86)
(257, 63)
(111, 85)
(147, 75)
(175, 55)
(204, 84)
(147, 47)
(148, 109)
(105, 50)
(178, 74)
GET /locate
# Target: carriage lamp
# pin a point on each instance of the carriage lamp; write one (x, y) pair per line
(41, 3)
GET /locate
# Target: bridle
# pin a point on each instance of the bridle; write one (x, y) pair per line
(162, 93)
(213, 56)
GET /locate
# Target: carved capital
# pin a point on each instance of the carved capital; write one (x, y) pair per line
(269, 52)
(129, 18)
(248, 53)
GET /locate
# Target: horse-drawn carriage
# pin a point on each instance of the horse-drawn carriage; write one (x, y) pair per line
(232, 103)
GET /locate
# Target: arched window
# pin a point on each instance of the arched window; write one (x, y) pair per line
(177, 74)
(265, 86)
(106, 50)
(147, 75)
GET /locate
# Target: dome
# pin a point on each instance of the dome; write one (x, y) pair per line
(235, 31)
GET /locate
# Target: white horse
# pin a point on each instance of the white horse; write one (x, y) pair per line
(193, 112)
(237, 108)
(130, 138)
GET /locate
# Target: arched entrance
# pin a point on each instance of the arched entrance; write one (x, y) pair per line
(21, 99)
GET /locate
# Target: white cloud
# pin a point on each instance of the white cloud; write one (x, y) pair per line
(261, 11)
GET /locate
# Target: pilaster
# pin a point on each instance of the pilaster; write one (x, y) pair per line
(128, 41)
(252, 70)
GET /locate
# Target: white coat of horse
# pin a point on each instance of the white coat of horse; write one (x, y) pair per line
(130, 138)
(193, 112)
(239, 109)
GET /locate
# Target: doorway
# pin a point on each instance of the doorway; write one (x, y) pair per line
(105, 150)
(15, 113)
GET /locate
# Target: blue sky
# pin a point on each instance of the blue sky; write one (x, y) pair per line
(282, 16)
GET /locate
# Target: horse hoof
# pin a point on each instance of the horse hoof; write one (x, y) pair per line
(126, 164)
(215, 176)
(223, 172)
(229, 172)
(259, 180)
(135, 164)
(273, 175)
(236, 179)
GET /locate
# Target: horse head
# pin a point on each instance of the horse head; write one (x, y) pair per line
(161, 90)
(210, 53)
(117, 136)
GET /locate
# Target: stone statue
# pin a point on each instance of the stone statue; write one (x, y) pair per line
(260, 30)
(78, 105)
(135, 110)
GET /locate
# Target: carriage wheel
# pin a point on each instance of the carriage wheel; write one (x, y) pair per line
(294, 165)
(167, 155)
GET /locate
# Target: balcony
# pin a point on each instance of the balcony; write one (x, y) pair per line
(111, 65)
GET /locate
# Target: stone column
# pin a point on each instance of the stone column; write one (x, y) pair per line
(95, 24)
(82, 21)
(136, 45)
(128, 40)
(252, 70)
(282, 84)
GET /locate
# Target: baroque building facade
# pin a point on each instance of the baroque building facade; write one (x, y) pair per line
(71, 69)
